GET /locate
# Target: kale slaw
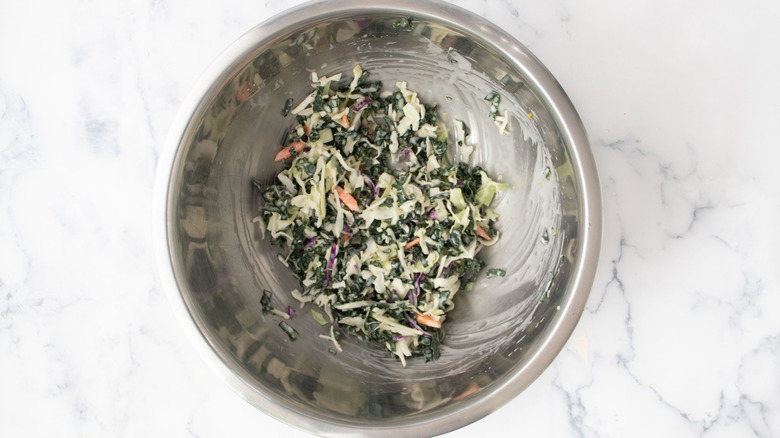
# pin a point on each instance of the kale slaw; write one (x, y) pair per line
(379, 228)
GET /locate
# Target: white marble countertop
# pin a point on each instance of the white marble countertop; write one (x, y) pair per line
(681, 334)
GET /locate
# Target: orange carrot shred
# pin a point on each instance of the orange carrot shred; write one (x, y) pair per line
(347, 199)
(412, 242)
(427, 320)
(345, 120)
(284, 153)
(298, 145)
(482, 233)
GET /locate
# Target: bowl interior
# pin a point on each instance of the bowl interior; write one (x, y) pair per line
(497, 332)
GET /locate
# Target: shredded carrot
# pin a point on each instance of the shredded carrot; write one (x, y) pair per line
(244, 91)
(345, 237)
(347, 199)
(482, 233)
(306, 129)
(412, 242)
(427, 320)
(284, 153)
(345, 120)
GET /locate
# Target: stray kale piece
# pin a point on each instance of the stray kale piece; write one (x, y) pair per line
(287, 107)
(490, 273)
(291, 332)
(319, 103)
(265, 301)
(363, 77)
(494, 99)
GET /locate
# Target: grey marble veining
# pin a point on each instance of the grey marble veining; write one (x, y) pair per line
(680, 336)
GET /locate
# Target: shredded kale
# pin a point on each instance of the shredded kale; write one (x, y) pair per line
(430, 346)
(495, 100)
(265, 301)
(490, 273)
(288, 104)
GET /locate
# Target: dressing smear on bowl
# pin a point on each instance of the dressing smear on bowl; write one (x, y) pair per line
(379, 228)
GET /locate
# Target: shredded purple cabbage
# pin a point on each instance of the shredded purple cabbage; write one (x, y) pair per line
(309, 242)
(398, 337)
(447, 268)
(331, 259)
(361, 104)
(347, 230)
(418, 277)
(403, 155)
(290, 312)
(370, 185)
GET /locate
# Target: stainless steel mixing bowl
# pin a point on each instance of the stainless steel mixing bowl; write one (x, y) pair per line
(501, 335)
